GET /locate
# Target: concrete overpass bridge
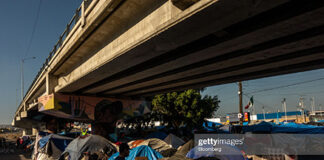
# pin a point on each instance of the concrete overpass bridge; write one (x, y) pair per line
(137, 48)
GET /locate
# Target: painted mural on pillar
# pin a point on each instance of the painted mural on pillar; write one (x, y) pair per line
(86, 108)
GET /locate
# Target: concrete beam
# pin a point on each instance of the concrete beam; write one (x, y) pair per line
(129, 46)
(218, 54)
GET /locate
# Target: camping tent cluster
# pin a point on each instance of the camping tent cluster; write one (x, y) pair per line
(53, 147)
(156, 145)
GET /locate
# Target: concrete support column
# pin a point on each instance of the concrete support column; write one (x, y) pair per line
(24, 132)
(51, 82)
(35, 129)
(24, 107)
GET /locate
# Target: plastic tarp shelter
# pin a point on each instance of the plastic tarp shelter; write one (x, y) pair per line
(141, 151)
(53, 145)
(89, 144)
(269, 127)
(156, 144)
(174, 141)
(211, 126)
(261, 127)
(298, 128)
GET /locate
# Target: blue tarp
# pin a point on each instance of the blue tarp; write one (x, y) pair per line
(320, 121)
(59, 141)
(283, 128)
(297, 128)
(141, 151)
(210, 126)
(261, 127)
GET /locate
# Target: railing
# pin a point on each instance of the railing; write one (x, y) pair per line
(64, 35)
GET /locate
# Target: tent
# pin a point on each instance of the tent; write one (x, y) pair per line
(51, 146)
(156, 144)
(141, 151)
(90, 144)
(264, 127)
(174, 141)
(182, 151)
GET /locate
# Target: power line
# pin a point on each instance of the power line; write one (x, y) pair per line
(279, 87)
(34, 28)
(256, 101)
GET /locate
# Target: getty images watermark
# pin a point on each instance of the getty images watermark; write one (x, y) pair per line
(221, 144)
(216, 144)
(260, 144)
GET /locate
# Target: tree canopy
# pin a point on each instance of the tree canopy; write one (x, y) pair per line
(184, 108)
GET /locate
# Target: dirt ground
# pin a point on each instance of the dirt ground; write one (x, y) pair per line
(17, 154)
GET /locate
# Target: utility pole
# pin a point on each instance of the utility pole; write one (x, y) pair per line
(240, 93)
(301, 99)
(284, 107)
(22, 75)
(320, 107)
(278, 116)
(16, 97)
(313, 105)
(263, 112)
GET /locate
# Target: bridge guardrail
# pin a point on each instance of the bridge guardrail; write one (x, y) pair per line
(76, 17)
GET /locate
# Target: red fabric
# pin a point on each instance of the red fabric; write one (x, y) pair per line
(247, 106)
(118, 143)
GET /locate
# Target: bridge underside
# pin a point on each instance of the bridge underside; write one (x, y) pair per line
(139, 48)
(202, 50)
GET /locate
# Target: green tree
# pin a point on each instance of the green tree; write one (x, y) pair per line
(184, 108)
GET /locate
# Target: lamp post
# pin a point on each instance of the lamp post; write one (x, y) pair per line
(22, 75)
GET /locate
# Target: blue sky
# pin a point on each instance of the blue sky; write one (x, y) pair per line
(17, 21)
(270, 91)
(18, 18)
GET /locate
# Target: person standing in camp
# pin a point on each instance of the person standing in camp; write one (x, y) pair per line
(123, 151)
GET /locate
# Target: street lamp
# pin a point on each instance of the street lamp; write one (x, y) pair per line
(22, 75)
